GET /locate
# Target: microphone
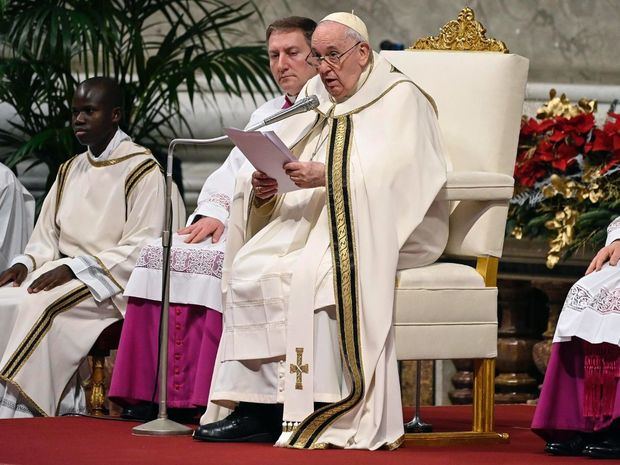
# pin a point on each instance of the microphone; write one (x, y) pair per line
(300, 106)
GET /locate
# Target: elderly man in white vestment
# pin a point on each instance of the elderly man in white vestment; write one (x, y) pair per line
(16, 217)
(309, 276)
(196, 260)
(67, 287)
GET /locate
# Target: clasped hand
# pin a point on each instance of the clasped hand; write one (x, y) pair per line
(46, 282)
(305, 174)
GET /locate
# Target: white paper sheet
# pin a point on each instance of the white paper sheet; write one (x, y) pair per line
(267, 153)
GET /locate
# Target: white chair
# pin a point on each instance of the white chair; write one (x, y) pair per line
(449, 310)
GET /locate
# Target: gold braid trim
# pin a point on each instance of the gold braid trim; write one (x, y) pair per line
(345, 286)
(108, 273)
(114, 161)
(137, 174)
(34, 262)
(41, 328)
(22, 393)
(63, 173)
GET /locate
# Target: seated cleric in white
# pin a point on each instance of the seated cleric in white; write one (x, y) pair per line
(307, 356)
(196, 266)
(67, 287)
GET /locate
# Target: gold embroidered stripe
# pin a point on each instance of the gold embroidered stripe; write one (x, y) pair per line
(115, 161)
(137, 174)
(108, 273)
(34, 262)
(63, 173)
(31, 403)
(345, 284)
(41, 328)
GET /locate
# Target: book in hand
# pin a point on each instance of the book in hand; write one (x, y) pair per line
(267, 153)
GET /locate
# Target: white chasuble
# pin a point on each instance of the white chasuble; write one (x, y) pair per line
(98, 213)
(592, 307)
(336, 245)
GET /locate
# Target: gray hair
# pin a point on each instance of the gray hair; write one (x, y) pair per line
(353, 34)
(349, 33)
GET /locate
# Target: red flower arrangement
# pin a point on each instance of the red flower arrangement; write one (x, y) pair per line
(567, 177)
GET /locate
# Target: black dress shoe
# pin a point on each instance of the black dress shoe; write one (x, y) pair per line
(572, 447)
(140, 412)
(248, 423)
(608, 448)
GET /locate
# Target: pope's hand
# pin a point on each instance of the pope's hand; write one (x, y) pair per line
(264, 186)
(203, 228)
(48, 281)
(306, 174)
(15, 274)
(610, 253)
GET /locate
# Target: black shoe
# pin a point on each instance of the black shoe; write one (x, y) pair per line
(187, 416)
(572, 447)
(248, 423)
(140, 412)
(608, 448)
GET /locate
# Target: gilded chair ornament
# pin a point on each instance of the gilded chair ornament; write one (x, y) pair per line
(461, 34)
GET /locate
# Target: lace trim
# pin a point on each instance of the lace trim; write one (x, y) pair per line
(221, 200)
(604, 302)
(196, 261)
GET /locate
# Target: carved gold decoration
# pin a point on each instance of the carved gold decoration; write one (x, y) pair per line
(564, 226)
(561, 106)
(97, 395)
(299, 368)
(462, 34)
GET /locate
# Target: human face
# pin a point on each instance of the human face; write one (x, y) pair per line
(287, 60)
(330, 38)
(94, 120)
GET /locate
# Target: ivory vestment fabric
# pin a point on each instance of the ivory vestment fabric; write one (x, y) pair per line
(195, 301)
(337, 245)
(101, 212)
(16, 216)
(196, 269)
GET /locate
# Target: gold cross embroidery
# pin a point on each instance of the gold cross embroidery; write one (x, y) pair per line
(298, 368)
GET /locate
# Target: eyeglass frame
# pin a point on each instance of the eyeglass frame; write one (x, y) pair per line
(325, 58)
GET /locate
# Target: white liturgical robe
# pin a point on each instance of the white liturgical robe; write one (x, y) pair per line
(95, 218)
(308, 278)
(16, 216)
(592, 308)
(196, 269)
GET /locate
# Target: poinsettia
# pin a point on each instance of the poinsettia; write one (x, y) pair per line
(567, 168)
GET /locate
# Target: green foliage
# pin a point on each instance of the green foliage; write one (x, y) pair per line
(156, 50)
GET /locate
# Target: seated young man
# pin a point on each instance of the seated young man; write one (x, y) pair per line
(196, 266)
(105, 204)
(579, 408)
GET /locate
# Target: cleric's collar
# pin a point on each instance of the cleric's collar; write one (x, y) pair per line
(379, 81)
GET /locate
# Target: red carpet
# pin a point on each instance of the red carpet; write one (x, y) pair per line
(82, 441)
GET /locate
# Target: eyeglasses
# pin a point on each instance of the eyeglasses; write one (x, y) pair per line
(332, 58)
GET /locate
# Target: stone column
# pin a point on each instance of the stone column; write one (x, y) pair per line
(514, 383)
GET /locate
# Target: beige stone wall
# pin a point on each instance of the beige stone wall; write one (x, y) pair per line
(572, 41)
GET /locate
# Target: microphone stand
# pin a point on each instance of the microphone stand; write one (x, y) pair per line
(162, 425)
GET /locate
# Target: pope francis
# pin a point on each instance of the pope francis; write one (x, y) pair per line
(307, 355)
